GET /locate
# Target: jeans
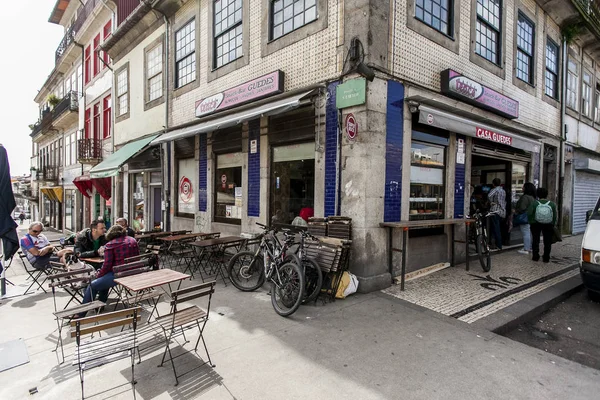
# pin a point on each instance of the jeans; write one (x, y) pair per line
(101, 286)
(495, 228)
(547, 230)
(526, 231)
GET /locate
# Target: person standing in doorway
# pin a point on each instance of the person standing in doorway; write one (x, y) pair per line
(497, 199)
(542, 218)
(527, 199)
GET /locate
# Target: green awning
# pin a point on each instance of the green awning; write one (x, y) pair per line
(111, 165)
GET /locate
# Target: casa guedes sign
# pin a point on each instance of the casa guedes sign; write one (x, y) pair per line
(264, 86)
(462, 88)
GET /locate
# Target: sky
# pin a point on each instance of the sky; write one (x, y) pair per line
(28, 42)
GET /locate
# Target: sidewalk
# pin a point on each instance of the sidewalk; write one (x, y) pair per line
(364, 347)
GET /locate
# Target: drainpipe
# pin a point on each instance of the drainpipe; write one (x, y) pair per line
(113, 182)
(81, 212)
(561, 151)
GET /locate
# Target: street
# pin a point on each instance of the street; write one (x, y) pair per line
(569, 330)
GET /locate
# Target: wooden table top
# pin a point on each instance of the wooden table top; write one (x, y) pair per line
(151, 279)
(95, 260)
(151, 235)
(184, 236)
(425, 223)
(215, 242)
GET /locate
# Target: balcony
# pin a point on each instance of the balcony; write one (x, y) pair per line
(48, 173)
(89, 150)
(65, 112)
(43, 124)
(65, 44)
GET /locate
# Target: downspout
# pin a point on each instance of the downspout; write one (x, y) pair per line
(561, 152)
(114, 185)
(80, 225)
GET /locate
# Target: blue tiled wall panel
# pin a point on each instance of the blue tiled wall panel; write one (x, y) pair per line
(459, 184)
(254, 170)
(393, 153)
(536, 168)
(203, 175)
(331, 144)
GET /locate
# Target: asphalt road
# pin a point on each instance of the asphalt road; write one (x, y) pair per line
(568, 330)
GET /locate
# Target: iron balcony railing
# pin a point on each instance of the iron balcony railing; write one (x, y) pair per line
(590, 11)
(82, 14)
(69, 102)
(89, 149)
(48, 173)
(64, 44)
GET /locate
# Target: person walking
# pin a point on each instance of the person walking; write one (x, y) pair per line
(542, 218)
(522, 218)
(497, 199)
(22, 217)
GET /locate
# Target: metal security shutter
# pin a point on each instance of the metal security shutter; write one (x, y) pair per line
(587, 189)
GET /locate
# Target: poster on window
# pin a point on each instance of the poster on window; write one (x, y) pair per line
(186, 199)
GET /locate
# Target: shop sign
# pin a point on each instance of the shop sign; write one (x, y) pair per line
(264, 86)
(465, 89)
(185, 189)
(351, 127)
(253, 146)
(493, 136)
(351, 93)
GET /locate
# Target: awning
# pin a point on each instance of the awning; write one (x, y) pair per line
(103, 186)
(53, 193)
(84, 184)
(445, 120)
(271, 108)
(110, 166)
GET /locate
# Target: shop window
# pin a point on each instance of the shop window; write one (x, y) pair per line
(289, 15)
(488, 30)
(185, 54)
(70, 210)
(137, 202)
(228, 31)
(435, 13)
(228, 188)
(186, 187)
(427, 183)
(572, 85)
(586, 95)
(551, 77)
(292, 182)
(525, 41)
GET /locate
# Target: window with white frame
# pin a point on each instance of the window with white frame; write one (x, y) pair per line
(488, 30)
(68, 160)
(227, 31)
(154, 69)
(586, 95)
(122, 92)
(525, 42)
(435, 13)
(74, 148)
(572, 85)
(551, 76)
(289, 15)
(185, 54)
(597, 105)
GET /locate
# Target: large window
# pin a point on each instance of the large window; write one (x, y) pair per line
(292, 182)
(106, 111)
(87, 127)
(107, 30)
(525, 46)
(427, 189)
(435, 13)
(97, 54)
(586, 95)
(74, 148)
(228, 187)
(96, 133)
(87, 63)
(122, 92)
(551, 77)
(488, 25)
(186, 189)
(572, 85)
(154, 68)
(289, 15)
(597, 105)
(185, 54)
(228, 31)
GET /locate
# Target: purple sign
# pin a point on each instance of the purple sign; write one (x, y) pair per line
(462, 88)
(255, 89)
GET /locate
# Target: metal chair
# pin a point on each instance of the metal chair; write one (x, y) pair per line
(34, 273)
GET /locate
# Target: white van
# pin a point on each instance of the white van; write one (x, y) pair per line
(589, 265)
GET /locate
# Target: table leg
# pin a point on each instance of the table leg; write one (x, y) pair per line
(390, 253)
(452, 233)
(467, 229)
(404, 248)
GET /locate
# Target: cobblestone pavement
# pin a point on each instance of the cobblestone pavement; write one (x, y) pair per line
(471, 295)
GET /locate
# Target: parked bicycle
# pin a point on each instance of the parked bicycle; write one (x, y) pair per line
(271, 261)
(482, 243)
(313, 276)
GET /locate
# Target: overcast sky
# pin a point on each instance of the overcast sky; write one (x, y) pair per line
(28, 42)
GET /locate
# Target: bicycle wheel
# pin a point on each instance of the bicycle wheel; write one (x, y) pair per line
(287, 289)
(483, 251)
(313, 279)
(246, 272)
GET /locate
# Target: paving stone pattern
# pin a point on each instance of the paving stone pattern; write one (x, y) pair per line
(471, 295)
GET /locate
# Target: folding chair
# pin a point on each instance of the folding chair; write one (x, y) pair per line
(178, 321)
(151, 296)
(110, 347)
(73, 282)
(34, 273)
(6, 267)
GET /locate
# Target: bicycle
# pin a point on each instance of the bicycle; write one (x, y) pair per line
(249, 270)
(482, 243)
(313, 276)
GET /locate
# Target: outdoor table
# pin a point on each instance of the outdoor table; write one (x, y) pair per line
(213, 248)
(406, 225)
(175, 240)
(152, 235)
(139, 283)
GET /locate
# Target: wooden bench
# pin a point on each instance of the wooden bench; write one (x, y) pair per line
(333, 256)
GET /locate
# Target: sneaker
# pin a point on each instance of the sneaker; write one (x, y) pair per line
(523, 251)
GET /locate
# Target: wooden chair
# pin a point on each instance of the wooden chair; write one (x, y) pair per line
(180, 320)
(108, 348)
(151, 296)
(74, 283)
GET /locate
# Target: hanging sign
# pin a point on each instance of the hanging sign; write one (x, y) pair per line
(351, 93)
(351, 127)
(493, 136)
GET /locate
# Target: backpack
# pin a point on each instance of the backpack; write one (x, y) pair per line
(544, 213)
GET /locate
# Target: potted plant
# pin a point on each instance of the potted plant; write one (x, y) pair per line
(53, 100)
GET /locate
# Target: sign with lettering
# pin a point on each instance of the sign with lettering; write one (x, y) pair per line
(351, 127)
(351, 93)
(493, 136)
(264, 86)
(462, 88)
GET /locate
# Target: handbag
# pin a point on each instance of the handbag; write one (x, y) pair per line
(556, 236)
(520, 219)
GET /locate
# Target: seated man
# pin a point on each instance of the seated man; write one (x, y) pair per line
(119, 247)
(123, 222)
(90, 241)
(37, 247)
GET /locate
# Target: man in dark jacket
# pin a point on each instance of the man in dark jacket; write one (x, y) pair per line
(125, 224)
(90, 241)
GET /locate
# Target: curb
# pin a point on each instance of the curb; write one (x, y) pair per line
(510, 317)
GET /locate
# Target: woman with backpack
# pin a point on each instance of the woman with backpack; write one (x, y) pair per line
(521, 218)
(542, 218)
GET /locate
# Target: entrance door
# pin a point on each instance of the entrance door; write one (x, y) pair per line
(156, 207)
